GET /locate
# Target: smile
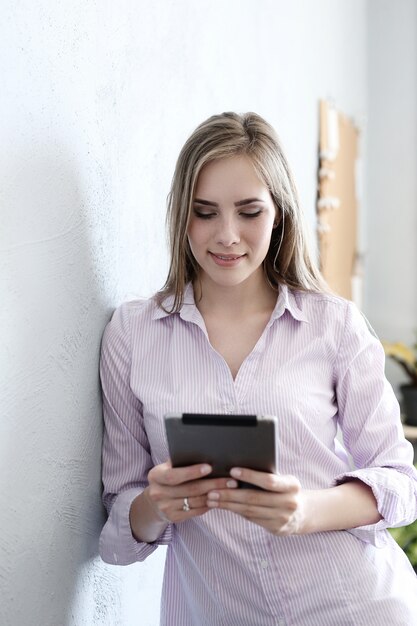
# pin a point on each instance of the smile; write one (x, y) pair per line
(226, 260)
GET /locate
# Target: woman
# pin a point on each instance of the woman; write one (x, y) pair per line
(245, 324)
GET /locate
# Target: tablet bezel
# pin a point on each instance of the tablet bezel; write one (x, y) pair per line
(223, 441)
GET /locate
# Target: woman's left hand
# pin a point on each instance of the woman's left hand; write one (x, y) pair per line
(279, 507)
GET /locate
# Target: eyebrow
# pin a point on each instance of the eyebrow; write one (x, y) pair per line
(244, 202)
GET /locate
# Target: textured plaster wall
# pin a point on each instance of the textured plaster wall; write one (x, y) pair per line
(96, 100)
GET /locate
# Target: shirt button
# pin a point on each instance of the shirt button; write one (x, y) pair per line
(264, 564)
(229, 408)
(280, 622)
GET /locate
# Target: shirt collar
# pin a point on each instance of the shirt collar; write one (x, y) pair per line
(286, 301)
(188, 304)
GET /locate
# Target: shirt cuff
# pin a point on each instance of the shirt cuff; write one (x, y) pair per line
(389, 504)
(117, 545)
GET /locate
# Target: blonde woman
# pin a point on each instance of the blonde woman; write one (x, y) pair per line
(246, 325)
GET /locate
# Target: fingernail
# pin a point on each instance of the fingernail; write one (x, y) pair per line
(236, 472)
(205, 469)
(231, 483)
(212, 504)
(213, 495)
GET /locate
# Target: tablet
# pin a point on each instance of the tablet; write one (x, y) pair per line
(223, 441)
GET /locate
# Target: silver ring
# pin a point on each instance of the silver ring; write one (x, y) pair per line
(186, 506)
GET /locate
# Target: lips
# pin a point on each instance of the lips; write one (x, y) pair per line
(226, 260)
(227, 257)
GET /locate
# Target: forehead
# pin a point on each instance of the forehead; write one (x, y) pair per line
(234, 174)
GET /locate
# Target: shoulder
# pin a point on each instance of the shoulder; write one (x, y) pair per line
(315, 305)
(333, 313)
(130, 315)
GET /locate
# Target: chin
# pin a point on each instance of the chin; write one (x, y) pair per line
(228, 279)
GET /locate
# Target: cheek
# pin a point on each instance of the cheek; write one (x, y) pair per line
(194, 226)
(199, 231)
(262, 236)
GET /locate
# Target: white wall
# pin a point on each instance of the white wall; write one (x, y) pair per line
(391, 267)
(97, 98)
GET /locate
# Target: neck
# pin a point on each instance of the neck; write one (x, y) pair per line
(252, 296)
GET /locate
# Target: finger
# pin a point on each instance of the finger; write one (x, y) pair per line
(203, 487)
(178, 509)
(163, 496)
(248, 511)
(192, 489)
(194, 503)
(165, 474)
(278, 521)
(280, 483)
(253, 497)
(180, 516)
(160, 492)
(185, 508)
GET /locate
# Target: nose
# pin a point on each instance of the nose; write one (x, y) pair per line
(228, 232)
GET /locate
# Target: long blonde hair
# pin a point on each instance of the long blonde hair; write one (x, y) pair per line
(288, 259)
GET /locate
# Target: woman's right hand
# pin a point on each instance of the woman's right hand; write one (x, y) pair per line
(171, 488)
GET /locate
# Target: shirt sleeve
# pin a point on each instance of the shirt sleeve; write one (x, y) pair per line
(126, 457)
(369, 417)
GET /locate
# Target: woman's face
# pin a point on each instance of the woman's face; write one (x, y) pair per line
(231, 223)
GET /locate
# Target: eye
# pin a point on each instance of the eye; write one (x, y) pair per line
(251, 215)
(203, 216)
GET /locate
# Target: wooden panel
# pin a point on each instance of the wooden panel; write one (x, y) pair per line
(337, 203)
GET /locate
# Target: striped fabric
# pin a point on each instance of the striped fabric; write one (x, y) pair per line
(315, 366)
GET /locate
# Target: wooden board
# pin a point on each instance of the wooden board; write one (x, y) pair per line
(337, 203)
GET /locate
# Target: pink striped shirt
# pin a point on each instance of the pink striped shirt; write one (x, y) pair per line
(315, 366)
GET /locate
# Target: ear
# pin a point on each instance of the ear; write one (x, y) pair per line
(277, 221)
